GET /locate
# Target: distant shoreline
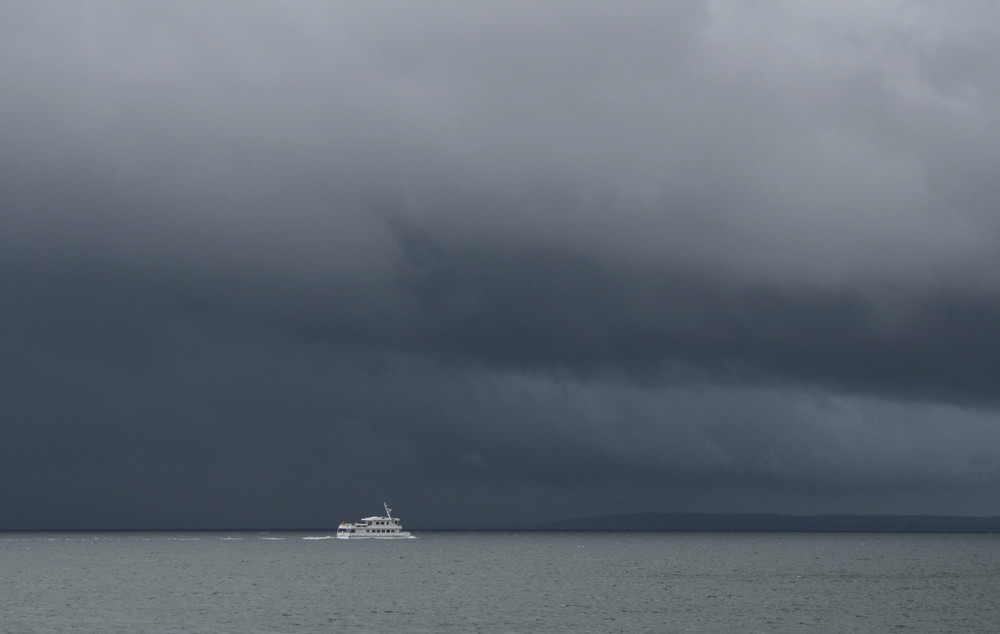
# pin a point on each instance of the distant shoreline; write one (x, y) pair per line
(659, 522)
(760, 522)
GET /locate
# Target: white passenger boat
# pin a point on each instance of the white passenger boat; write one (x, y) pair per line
(375, 527)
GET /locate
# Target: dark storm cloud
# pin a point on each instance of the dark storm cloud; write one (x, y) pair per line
(717, 255)
(148, 413)
(538, 306)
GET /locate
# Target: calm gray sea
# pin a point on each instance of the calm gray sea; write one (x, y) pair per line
(500, 582)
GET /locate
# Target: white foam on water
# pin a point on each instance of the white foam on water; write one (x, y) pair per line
(323, 537)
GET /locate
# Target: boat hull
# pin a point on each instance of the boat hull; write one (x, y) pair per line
(356, 536)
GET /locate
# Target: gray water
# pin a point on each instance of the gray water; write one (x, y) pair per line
(500, 582)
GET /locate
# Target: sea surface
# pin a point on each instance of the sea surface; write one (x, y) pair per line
(500, 582)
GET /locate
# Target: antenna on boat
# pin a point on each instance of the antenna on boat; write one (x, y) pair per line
(388, 511)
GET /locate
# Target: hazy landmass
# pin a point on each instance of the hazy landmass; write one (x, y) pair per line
(768, 522)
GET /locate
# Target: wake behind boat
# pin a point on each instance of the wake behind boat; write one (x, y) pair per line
(374, 527)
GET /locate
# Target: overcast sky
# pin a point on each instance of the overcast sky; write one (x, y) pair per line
(266, 264)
